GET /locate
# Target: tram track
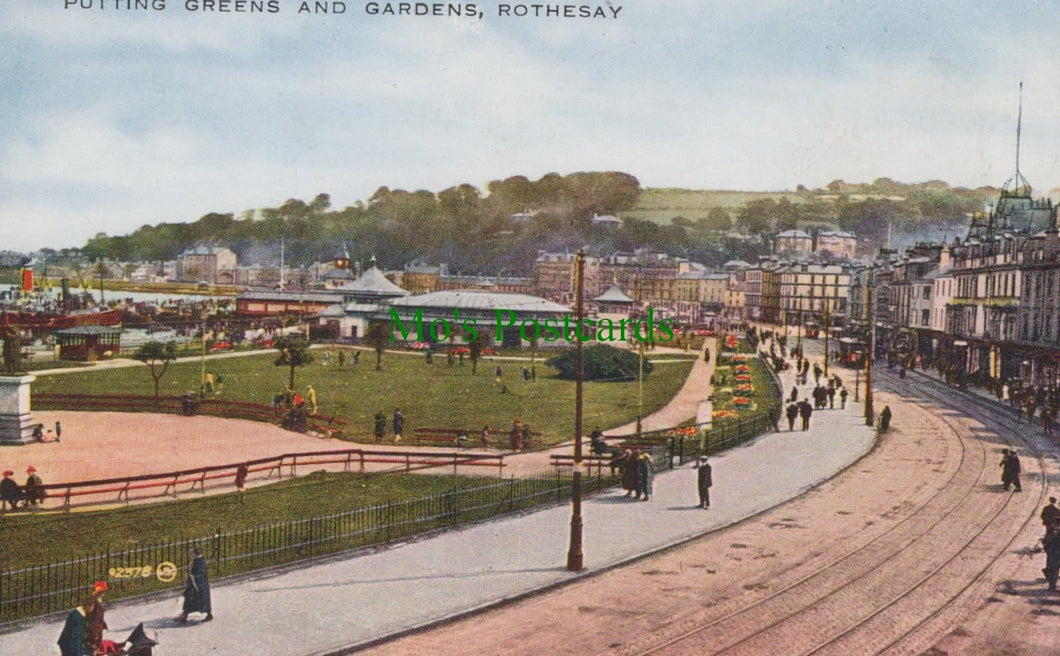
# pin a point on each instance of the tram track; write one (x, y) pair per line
(815, 603)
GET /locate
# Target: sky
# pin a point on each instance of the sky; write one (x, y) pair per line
(113, 118)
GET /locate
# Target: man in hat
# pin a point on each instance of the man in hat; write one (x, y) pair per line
(704, 481)
(1010, 470)
(95, 624)
(34, 487)
(1050, 514)
(10, 492)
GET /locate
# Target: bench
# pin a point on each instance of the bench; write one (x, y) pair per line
(449, 437)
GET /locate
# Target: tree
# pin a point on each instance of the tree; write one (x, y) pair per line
(294, 352)
(476, 346)
(717, 220)
(157, 357)
(377, 336)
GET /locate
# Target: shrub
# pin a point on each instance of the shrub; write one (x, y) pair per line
(601, 363)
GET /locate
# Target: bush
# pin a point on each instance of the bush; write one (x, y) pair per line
(601, 363)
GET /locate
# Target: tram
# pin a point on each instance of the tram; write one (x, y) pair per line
(851, 352)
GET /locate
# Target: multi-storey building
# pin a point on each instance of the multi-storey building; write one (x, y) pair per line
(840, 245)
(981, 316)
(1038, 316)
(813, 292)
(794, 242)
(204, 263)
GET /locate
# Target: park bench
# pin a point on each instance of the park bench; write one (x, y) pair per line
(448, 437)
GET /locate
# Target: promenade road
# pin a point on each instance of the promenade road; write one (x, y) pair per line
(323, 608)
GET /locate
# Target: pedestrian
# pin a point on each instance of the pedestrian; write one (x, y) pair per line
(356, 358)
(831, 397)
(342, 358)
(94, 620)
(484, 437)
(1010, 470)
(312, 396)
(704, 480)
(805, 411)
(241, 480)
(645, 475)
(629, 472)
(380, 425)
(196, 588)
(1050, 514)
(1048, 419)
(398, 424)
(58, 430)
(34, 490)
(10, 492)
(843, 398)
(38, 433)
(794, 396)
(515, 438)
(1051, 545)
(72, 639)
(885, 418)
(792, 413)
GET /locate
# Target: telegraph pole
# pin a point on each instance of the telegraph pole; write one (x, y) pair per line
(574, 554)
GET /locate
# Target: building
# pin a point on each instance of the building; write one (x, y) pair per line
(205, 263)
(1038, 316)
(840, 245)
(794, 242)
(606, 221)
(813, 293)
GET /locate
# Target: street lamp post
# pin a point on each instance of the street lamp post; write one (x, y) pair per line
(640, 386)
(869, 351)
(574, 553)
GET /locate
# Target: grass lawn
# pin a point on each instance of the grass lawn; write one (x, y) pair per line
(660, 205)
(63, 536)
(436, 396)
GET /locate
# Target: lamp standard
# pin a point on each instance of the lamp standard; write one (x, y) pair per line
(824, 327)
(870, 349)
(640, 385)
(574, 553)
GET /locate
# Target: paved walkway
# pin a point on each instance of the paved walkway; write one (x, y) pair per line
(324, 608)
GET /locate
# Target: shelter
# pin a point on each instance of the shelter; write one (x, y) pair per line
(88, 342)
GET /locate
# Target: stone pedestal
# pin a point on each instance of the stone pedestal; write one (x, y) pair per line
(16, 423)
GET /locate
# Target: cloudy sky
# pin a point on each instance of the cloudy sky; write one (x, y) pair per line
(115, 118)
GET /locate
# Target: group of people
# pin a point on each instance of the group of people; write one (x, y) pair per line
(290, 399)
(82, 633)
(380, 425)
(1043, 400)
(638, 473)
(29, 495)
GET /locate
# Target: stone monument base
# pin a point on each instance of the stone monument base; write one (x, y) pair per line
(16, 422)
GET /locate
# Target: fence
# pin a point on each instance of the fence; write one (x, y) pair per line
(124, 489)
(155, 567)
(176, 405)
